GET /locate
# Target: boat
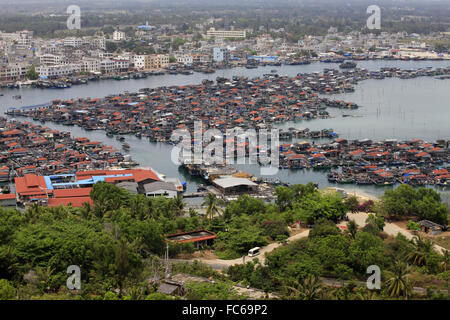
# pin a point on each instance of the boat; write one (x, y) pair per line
(347, 65)
(125, 146)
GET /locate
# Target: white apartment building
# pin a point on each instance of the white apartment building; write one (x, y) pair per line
(57, 71)
(51, 59)
(184, 59)
(139, 61)
(118, 35)
(107, 66)
(98, 43)
(14, 71)
(221, 34)
(106, 55)
(122, 64)
(90, 65)
(72, 42)
(221, 54)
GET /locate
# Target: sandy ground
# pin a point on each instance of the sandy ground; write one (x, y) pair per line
(391, 228)
(360, 217)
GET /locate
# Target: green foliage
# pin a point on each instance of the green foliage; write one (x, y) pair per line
(413, 225)
(159, 296)
(7, 291)
(366, 250)
(352, 203)
(316, 206)
(273, 229)
(425, 203)
(32, 74)
(324, 228)
(211, 291)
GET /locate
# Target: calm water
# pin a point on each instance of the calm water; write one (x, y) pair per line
(391, 108)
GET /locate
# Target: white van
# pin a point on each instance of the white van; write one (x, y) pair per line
(254, 252)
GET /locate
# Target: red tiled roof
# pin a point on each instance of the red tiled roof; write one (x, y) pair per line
(72, 193)
(9, 196)
(74, 201)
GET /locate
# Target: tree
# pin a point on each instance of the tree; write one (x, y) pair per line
(126, 263)
(309, 288)
(397, 283)
(366, 250)
(32, 74)
(7, 291)
(212, 207)
(285, 197)
(423, 248)
(352, 228)
(324, 228)
(172, 59)
(445, 263)
(352, 203)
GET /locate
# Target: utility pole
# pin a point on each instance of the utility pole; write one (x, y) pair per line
(167, 261)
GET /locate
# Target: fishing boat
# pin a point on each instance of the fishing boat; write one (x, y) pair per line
(347, 65)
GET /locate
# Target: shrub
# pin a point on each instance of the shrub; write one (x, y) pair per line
(413, 225)
(366, 206)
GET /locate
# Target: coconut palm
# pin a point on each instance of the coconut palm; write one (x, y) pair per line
(178, 203)
(397, 283)
(352, 228)
(366, 294)
(212, 205)
(309, 288)
(445, 263)
(422, 248)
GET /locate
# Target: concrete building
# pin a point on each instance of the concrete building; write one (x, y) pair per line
(160, 189)
(118, 35)
(221, 34)
(56, 71)
(90, 65)
(221, 55)
(13, 71)
(122, 64)
(107, 66)
(72, 42)
(184, 59)
(51, 59)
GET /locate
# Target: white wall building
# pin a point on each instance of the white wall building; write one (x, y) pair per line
(57, 71)
(107, 66)
(221, 34)
(118, 35)
(184, 59)
(50, 59)
(90, 65)
(72, 42)
(221, 54)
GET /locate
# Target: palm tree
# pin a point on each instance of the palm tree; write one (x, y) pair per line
(352, 228)
(33, 212)
(178, 203)
(422, 248)
(309, 288)
(212, 203)
(366, 294)
(445, 263)
(397, 283)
